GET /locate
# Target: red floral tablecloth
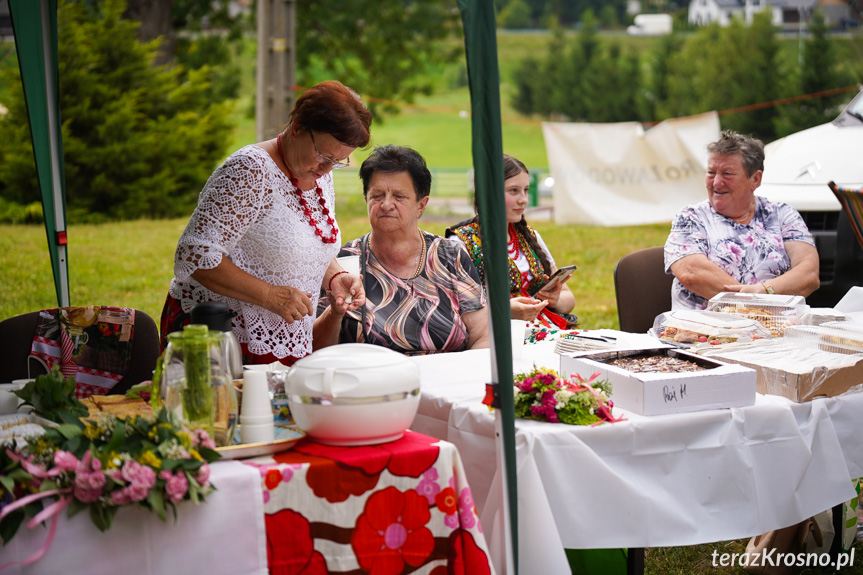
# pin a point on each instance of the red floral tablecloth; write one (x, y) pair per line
(395, 508)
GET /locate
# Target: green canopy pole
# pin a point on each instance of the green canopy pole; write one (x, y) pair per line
(34, 24)
(480, 29)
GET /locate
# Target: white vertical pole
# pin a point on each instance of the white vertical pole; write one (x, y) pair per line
(53, 134)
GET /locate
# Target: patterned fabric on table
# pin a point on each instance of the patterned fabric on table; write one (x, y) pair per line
(92, 344)
(395, 508)
(421, 314)
(750, 253)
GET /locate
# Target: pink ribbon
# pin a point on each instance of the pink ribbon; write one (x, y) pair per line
(604, 412)
(52, 512)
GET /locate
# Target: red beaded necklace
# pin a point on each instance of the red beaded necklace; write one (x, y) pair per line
(334, 231)
(512, 245)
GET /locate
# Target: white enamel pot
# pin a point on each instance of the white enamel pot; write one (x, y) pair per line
(353, 394)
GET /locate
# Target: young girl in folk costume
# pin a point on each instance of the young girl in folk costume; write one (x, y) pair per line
(530, 262)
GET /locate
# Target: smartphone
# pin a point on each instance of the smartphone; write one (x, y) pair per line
(556, 276)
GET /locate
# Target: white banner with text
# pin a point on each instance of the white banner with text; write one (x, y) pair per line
(623, 175)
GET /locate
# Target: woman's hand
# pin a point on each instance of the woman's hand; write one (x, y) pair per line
(526, 308)
(551, 291)
(745, 288)
(289, 303)
(227, 279)
(347, 293)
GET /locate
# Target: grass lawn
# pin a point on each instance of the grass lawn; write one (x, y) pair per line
(131, 263)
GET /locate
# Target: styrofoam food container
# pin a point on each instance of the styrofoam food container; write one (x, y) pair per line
(9, 402)
(354, 394)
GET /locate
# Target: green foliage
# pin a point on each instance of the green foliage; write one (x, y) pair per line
(13, 213)
(516, 14)
(138, 140)
(818, 72)
(581, 79)
(215, 54)
(50, 395)
(195, 15)
(593, 78)
(608, 16)
(655, 91)
(383, 50)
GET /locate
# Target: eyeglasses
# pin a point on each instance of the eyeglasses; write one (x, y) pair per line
(322, 159)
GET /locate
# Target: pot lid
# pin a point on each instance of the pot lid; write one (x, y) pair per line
(352, 370)
(352, 355)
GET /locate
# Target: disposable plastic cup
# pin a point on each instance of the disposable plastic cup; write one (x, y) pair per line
(258, 432)
(256, 395)
(517, 327)
(256, 419)
(350, 264)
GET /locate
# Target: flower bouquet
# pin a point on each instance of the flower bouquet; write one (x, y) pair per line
(101, 464)
(542, 394)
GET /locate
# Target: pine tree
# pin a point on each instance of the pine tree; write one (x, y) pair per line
(817, 73)
(138, 140)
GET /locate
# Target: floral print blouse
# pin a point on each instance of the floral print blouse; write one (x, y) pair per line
(750, 253)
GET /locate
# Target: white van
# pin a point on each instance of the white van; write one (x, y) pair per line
(796, 171)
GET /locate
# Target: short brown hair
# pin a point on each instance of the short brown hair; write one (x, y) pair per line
(730, 143)
(392, 159)
(333, 108)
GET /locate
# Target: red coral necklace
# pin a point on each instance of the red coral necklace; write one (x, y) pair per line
(512, 246)
(334, 231)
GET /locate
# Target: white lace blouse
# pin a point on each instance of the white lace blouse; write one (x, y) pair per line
(249, 212)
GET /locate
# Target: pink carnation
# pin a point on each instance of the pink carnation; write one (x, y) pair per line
(88, 463)
(87, 495)
(120, 497)
(65, 460)
(90, 480)
(203, 475)
(200, 438)
(137, 474)
(137, 491)
(88, 486)
(176, 485)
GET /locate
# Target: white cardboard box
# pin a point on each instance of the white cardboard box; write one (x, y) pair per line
(722, 385)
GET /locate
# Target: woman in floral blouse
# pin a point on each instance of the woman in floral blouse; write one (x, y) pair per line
(737, 241)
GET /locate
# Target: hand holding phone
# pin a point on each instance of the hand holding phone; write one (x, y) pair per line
(557, 276)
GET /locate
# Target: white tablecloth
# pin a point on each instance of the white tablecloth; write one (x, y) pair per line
(223, 536)
(656, 481)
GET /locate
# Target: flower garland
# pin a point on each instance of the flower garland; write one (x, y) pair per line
(100, 465)
(542, 394)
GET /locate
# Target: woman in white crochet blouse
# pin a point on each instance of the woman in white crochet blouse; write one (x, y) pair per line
(263, 238)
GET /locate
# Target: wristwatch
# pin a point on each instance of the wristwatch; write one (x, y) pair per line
(768, 288)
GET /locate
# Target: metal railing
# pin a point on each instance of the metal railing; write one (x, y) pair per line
(446, 183)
